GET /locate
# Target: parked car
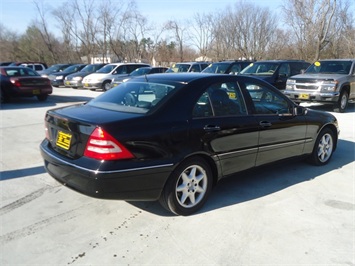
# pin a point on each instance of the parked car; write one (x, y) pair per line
(173, 136)
(35, 66)
(53, 69)
(57, 79)
(23, 82)
(227, 67)
(276, 72)
(329, 81)
(5, 63)
(102, 78)
(75, 80)
(188, 67)
(138, 72)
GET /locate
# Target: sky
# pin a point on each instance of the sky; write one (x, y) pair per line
(17, 15)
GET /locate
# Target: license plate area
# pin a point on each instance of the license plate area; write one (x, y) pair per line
(303, 96)
(63, 140)
(36, 92)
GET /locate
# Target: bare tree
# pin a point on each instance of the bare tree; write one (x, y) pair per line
(46, 36)
(179, 31)
(202, 33)
(310, 21)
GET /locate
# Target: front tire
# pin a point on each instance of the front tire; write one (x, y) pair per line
(188, 187)
(106, 85)
(342, 103)
(323, 148)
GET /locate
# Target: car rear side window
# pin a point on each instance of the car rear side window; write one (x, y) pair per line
(220, 99)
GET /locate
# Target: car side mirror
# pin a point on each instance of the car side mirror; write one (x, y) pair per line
(299, 110)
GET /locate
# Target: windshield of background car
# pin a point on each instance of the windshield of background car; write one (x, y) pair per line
(179, 68)
(134, 97)
(54, 68)
(216, 68)
(329, 67)
(140, 71)
(262, 69)
(70, 69)
(90, 68)
(106, 69)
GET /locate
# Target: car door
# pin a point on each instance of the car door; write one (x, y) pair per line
(282, 75)
(282, 134)
(221, 123)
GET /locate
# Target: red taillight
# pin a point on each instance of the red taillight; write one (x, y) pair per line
(102, 146)
(15, 82)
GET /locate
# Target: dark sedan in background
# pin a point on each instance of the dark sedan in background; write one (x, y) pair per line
(53, 69)
(75, 80)
(172, 137)
(23, 82)
(57, 79)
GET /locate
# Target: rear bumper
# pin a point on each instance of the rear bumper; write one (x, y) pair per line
(135, 183)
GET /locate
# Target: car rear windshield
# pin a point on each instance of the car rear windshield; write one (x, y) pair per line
(330, 67)
(134, 97)
(18, 72)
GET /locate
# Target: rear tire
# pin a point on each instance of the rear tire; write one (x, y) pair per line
(42, 97)
(323, 148)
(188, 187)
(342, 103)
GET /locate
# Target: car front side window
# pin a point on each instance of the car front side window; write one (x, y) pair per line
(267, 101)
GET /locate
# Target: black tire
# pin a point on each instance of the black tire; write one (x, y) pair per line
(42, 97)
(342, 103)
(323, 148)
(188, 187)
(106, 85)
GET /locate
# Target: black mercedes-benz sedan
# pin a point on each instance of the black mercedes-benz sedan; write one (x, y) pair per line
(172, 137)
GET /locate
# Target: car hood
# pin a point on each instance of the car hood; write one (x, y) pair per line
(79, 74)
(318, 76)
(61, 73)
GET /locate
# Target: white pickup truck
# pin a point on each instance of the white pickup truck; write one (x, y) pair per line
(329, 81)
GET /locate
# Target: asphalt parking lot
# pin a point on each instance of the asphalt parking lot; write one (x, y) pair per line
(286, 214)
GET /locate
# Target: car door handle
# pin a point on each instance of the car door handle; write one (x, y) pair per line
(265, 124)
(211, 128)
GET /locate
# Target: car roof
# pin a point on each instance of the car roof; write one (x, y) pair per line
(185, 77)
(280, 61)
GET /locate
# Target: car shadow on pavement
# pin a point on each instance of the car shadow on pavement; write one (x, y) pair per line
(265, 180)
(329, 108)
(12, 174)
(52, 101)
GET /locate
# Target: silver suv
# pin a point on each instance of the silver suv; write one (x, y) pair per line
(102, 78)
(329, 81)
